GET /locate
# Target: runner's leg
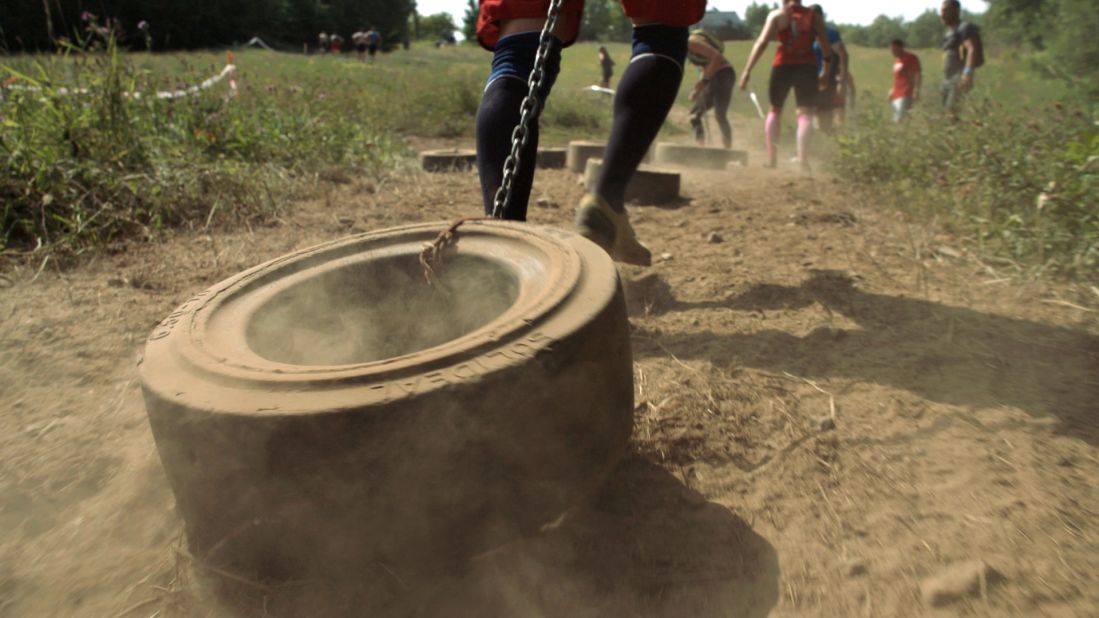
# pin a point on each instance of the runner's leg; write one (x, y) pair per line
(721, 89)
(806, 92)
(645, 94)
(778, 90)
(499, 114)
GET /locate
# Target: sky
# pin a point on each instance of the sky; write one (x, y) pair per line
(839, 11)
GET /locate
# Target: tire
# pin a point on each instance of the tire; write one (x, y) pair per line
(452, 160)
(648, 185)
(506, 401)
(698, 156)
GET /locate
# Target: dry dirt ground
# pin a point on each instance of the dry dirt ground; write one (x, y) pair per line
(833, 405)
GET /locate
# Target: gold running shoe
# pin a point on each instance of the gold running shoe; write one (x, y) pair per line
(599, 223)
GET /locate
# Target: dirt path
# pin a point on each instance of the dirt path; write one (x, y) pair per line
(833, 406)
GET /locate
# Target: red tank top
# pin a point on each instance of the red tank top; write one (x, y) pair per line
(795, 43)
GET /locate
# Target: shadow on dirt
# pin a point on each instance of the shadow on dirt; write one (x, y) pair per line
(646, 545)
(946, 354)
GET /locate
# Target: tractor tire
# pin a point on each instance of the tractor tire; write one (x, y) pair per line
(330, 408)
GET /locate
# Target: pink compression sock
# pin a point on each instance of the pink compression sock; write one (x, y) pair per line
(771, 130)
(805, 131)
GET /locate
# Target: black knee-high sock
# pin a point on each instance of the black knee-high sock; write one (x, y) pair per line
(496, 119)
(645, 94)
(499, 113)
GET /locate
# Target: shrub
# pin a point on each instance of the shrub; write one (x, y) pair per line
(1020, 183)
(84, 159)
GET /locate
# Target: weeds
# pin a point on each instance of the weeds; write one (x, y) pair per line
(1021, 183)
(85, 159)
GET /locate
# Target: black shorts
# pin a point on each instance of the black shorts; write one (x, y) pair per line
(373, 49)
(361, 47)
(801, 77)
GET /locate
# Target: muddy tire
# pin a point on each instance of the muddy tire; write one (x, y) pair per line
(649, 185)
(448, 160)
(552, 158)
(698, 156)
(329, 408)
(579, 153)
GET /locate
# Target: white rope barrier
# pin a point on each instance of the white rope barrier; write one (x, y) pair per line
(230, 71)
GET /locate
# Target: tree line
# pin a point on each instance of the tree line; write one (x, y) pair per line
(30, 25)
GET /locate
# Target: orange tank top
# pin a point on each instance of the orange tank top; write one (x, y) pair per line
(795, 43)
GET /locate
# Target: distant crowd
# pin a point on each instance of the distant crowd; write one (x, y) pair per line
(366, 42)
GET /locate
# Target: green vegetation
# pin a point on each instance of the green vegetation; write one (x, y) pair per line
(104, 165)
(28, 25)
(1016, 172)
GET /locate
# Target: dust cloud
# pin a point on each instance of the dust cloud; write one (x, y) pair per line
(378, 310)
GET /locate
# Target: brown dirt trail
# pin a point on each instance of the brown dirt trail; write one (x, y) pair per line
(832, 405)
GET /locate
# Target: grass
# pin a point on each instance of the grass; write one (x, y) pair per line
(1014, 174)
(78, 171)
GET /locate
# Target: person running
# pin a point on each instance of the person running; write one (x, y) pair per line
(323, 42)
(907, 80)
(336, 44)
(714, 89)
(373, 42)
(646, 92)
(606, 65)
(963, 53)
(795, 67)
(831, 96)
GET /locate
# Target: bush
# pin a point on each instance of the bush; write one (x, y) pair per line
(1020, 183)
(91, 161)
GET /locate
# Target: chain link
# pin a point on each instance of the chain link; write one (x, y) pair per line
(529, 111)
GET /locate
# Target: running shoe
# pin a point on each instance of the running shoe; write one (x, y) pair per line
(599, 223)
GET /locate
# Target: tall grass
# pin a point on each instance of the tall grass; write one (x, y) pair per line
(78, 170)
(84, 160)
(1019, 182)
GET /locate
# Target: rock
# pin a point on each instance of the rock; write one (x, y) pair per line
(116, 282)
(546, 203)
(666, 256)
(854, 568)
(714, 238)
(958, 581)
(825, 423)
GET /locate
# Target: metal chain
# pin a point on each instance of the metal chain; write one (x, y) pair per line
(529, 111)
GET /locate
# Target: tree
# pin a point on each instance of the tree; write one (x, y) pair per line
(925, 31)
(882, 31)
(437, 26)
(755, 16)
(469, 21)
(620, 28)
(597, 20)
